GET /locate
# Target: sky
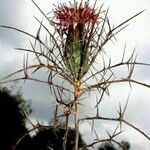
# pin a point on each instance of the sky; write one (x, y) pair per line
(137, 35)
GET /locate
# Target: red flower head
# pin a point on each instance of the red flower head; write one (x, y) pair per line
(74, 15)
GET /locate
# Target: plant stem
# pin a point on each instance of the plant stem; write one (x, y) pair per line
(76, 99)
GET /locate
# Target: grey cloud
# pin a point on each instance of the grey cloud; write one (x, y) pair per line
(143, 72)
(16, 14)
(40, 97)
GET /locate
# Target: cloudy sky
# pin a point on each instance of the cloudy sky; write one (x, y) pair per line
(20, 14)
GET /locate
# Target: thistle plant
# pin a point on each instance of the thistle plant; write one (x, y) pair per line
(70, 54)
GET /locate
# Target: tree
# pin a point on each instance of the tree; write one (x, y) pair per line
(124, 145)
(52, 138)
(12, 125)
(107, 146)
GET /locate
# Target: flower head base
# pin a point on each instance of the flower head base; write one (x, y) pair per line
(73, 15)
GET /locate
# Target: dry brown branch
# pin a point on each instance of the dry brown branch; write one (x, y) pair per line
(119, 119)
